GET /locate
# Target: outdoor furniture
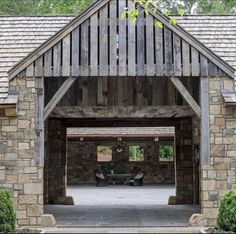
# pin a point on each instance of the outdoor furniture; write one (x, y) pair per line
(101, 181)
(113, 178)
(137, 181)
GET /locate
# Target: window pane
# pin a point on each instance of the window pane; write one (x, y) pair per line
(136, 153)
(166, 153)
(104, 153)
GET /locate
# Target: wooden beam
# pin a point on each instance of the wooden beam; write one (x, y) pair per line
(186, 95)
(205, 126)
(58, 96)
(40, 122)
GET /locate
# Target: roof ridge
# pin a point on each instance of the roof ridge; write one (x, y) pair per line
(47, 15)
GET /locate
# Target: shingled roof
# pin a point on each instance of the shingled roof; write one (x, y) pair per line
(21, 35)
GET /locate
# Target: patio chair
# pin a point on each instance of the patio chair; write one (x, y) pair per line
(101, 180)
(137, 181)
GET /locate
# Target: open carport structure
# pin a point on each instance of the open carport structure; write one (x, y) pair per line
(101, 71)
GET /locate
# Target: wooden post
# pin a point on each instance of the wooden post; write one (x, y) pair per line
(40, 122)
(205, 128)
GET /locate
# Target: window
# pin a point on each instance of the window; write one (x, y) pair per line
(136, 153)
(166, 152)
(104, 153)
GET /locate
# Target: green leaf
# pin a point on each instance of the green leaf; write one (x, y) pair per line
(166, 12)
(181, 12)
(158, 24)
(123, 15)
(173, 21)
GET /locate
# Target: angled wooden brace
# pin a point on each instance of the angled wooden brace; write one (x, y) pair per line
(186, 95)
(58, 96)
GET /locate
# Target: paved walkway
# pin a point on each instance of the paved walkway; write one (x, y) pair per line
(121, 195)
(123, 230)
(122, 207)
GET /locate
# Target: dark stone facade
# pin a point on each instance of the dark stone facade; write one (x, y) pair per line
(82, 161)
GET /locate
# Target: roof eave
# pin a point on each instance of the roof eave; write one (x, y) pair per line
(19, 67)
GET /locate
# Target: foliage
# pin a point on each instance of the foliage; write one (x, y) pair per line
(136, 153)
(226, 219)
(108, 167)
(166, 153)
(104, 149)
(7, 213)
(41, 7)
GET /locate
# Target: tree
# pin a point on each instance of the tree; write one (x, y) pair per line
(40, 7)
(219, 7)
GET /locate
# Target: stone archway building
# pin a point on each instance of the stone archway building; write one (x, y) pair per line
(96, 67)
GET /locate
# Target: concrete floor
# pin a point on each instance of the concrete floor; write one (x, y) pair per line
(121, 206)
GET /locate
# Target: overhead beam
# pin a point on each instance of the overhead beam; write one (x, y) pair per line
(205, 125)
(58, 96)
(186, 95)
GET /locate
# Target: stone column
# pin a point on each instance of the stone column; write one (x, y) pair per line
(184, 162)
(55, 171)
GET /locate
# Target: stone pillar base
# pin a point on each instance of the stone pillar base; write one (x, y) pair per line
(48, 220)
(196, 220)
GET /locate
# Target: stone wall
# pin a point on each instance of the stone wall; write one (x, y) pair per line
(55, 179)
(82, 161)
(18, 170)
(219, 177)
(185, 177)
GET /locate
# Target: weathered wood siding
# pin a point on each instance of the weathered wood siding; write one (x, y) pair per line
(106, 45)
(142, 91)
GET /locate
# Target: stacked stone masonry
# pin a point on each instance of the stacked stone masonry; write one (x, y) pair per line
(219, 177)
(18, 170)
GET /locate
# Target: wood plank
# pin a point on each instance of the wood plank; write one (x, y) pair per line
(85, 91)
(130, 90)
(58, 96)
(114, 91)
(57, 60)
(103, 46)
(195, 62)
(186, 95)
(48, 63)
(213, 70)
(168, 52)
(75, 71)
(186, 58)
(131, 44)
(39, 67)
(100, 100)
(204, 65)
(205, 126)
(66, 56)
(177, 55)
(84, 48)
(94, 45)
(140, 45)
(105, 90)
(113, 38)
(150, 45)
(155, 93)
(39, 122)
(122, 40)
(30, 70)
(159, 51)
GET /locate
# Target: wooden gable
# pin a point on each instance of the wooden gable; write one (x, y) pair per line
(99, 43)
